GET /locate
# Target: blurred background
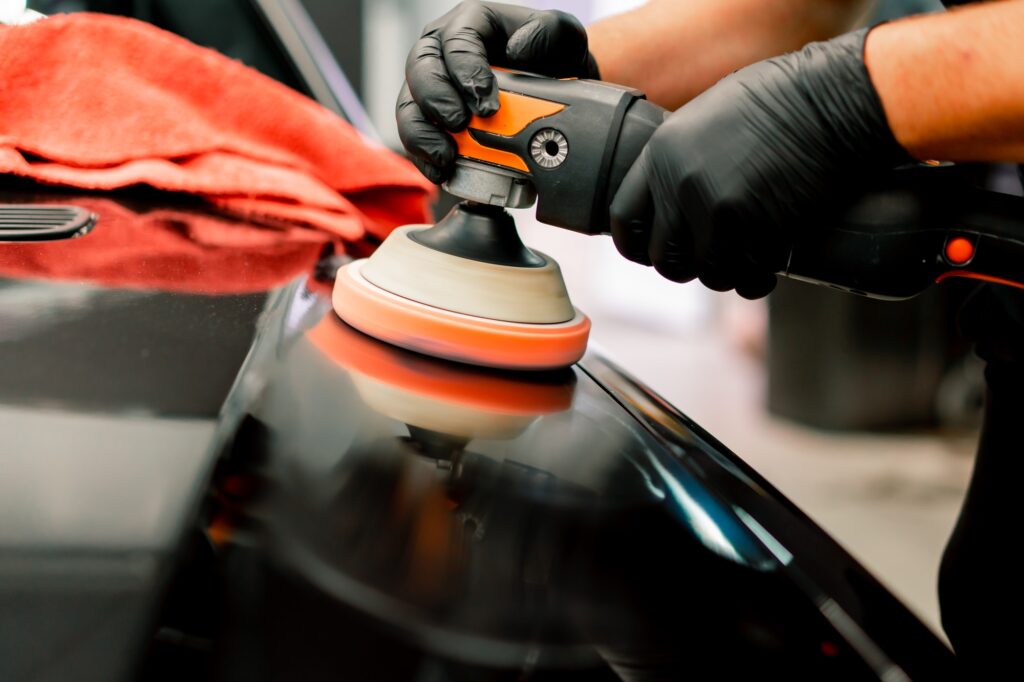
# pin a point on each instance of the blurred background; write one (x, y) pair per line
(864, 413)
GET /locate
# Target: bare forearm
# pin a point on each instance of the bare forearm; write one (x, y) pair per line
(674, 50)
(953, 84)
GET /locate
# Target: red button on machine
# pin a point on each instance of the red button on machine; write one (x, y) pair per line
(959, 251)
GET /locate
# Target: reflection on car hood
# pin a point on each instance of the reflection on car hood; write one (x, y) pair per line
(363, 511)
(510, 521)
(118, 350)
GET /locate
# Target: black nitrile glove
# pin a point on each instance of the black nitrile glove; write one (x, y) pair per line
(722, 185)
(448, 74)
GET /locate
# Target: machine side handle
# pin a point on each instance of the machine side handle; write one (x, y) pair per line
(895, 241)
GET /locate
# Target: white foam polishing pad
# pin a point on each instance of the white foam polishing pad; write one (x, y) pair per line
(529, 295)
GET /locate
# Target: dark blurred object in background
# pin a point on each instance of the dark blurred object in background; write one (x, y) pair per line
(344, 19)
(236, 28)
(842, 362)
(894, 9)
(837, 361)
(232, 27)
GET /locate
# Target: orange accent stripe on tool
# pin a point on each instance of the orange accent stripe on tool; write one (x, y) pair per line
(980, 277)
(515, 113)
(471, 149)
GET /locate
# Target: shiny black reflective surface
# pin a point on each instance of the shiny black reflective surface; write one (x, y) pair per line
(204, 475)
(109, 398)
(606, 538)
(209, 476)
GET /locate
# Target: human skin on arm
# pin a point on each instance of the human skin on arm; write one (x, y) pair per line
(720, 187)
(952, 85)
(674, 50)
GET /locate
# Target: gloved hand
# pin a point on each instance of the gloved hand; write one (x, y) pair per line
(721, 187)
(448, 74)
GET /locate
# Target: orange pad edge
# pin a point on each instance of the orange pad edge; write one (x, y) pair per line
(463, 338)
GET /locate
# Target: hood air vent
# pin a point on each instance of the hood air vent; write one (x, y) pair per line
(43, 222)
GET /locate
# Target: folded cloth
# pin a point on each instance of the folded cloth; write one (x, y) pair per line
(101, 102)
(169, 249)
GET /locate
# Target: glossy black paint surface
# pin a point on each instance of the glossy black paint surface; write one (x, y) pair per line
(237, 486)
(204, 475)
(109, 399)
(613, 539)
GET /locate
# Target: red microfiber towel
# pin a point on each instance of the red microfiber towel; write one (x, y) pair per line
(101, 102)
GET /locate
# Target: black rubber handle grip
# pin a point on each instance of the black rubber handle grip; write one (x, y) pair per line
(919, 227)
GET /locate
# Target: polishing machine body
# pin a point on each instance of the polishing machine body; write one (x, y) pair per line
(566, 143)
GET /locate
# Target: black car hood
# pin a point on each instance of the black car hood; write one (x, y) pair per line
(110, 394)
(364, 511)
